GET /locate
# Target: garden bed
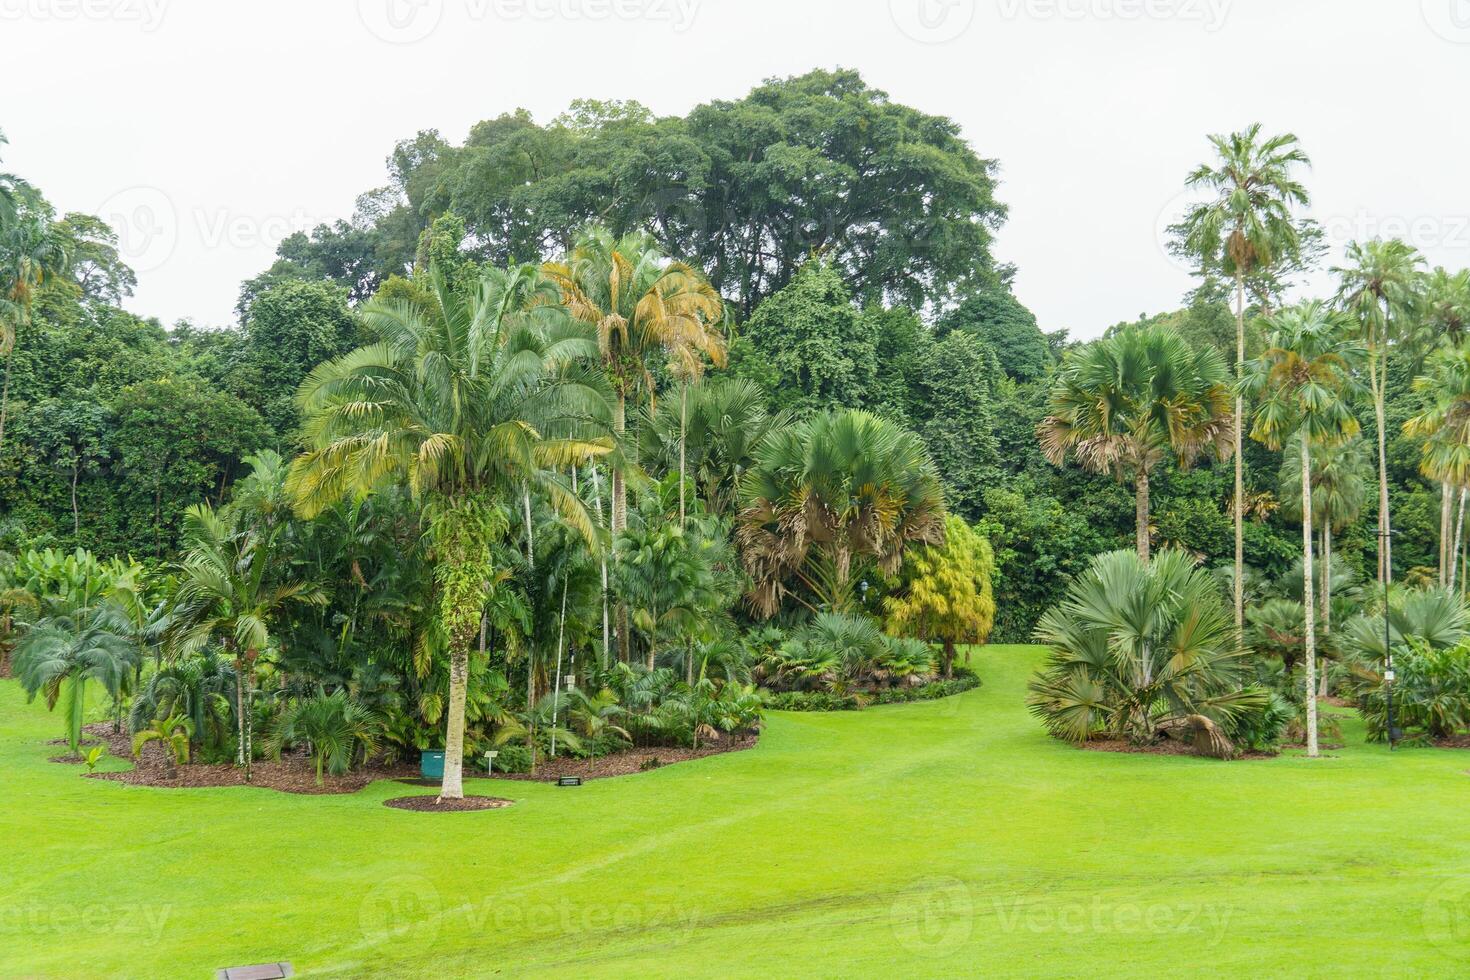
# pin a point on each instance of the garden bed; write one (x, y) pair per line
(627, 762)
(432, 804)
(294, 773)
(963, 680)
(1166, 746)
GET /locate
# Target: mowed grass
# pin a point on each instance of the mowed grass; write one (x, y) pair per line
(939, 839)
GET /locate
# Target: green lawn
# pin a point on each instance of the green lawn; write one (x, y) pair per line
(932, 839)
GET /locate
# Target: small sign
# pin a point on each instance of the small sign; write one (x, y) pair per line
(261, 971)
(569, 781)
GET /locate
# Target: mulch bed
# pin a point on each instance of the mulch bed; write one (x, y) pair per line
(1452, 742)
(1164, 747)
(432, 804)
(295, 773)
(624, 763)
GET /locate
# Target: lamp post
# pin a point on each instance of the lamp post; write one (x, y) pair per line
(1384, 536)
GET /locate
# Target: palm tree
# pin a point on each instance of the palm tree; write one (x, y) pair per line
(827, 493)
(334, 725)
(1380, 287)
(726, 422)
(640, 304)
(1123, 403)
(1139, 648)
(1340, 478)
(61, 653)
(231, 587)
(1445, 429)
(1302, 380)
(32, 253)
(1244, 231)
(471, 397)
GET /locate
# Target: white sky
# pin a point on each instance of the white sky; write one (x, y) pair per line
(215, 128)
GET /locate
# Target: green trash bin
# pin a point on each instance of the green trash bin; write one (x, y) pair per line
(431, 765)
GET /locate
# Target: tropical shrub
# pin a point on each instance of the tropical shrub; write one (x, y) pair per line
(945, 592)
(1431, 692)
(338, 729)
(1140, 650)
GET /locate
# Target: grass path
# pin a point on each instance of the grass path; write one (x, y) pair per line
(938, 839)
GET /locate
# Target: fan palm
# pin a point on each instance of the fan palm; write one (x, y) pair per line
(1302, 380)
(61, 654)
(1245, 230)
(335, 726)
(1139, 648)
(1445, 429)
(827, 493)
(1123, 403)
(231, 588)
(640, 304)
(470, 396)
(1380, 288)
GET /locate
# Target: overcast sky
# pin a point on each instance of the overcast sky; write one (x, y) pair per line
(209, 130)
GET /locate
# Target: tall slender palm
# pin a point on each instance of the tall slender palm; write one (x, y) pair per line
(1380, 287)
(640, 304)
(231, 588)
(1245, 230)
(1445, 429)
(828, 493)
(1124, 403)
(1340, 478)
(1302, 380)
(1445, 318)
(32, 253)
(471, 398)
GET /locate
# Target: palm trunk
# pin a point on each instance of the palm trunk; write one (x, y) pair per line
(1141, 515)
(5, 394)
(1239, 507)
(452, 787)
(1322, 690)
(250, 656)
(602, 556)
(1308, 600)
(531, 707)
(239, 710)
(561, 636)
(1446, 510)
(683, 428)
(619, 486)
(530, 541)
(1459, 537)
(1385, 529)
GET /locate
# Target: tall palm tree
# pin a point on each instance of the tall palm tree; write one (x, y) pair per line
(1380, 287)
(471, 397)
(1445, 429)
(641, 305)
(1302, 380)
(231, 588)
(1340, 478)
(32, 253)
(1124, 403)
(1243, 231)
(831, 492)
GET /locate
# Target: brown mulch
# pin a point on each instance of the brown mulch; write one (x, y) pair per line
(296, 772)
(625, 763)
(432, 804)
(1452, 742)
(1164, 747)
(85, 743)
(68, 760)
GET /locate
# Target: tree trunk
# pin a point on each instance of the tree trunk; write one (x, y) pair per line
(949, 652)
(250, 656)
(531, 707)
(683, 429)
(1140, 497)
(530, 541)
(602, 556)
(1385, 529)
(619, 486)
(459, 676)
(76, 513)
(1459, 537)
(1239, 507)
(239, 710)
(1308, 600)
(1446, 509)
(1322, 689)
